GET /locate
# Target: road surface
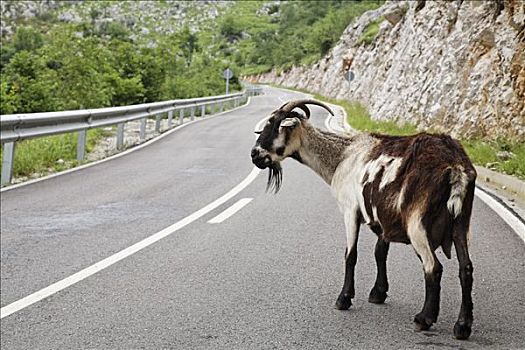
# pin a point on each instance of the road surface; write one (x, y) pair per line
(265, 275)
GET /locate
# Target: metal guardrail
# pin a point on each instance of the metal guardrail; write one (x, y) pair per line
(18, 127)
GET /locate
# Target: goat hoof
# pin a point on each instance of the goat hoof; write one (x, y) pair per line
(422, 322)
(376, 296)
(462, 330)
(343, 302)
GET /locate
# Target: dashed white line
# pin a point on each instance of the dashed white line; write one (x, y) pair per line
(101, 265)
(230, 211)
(91, 270)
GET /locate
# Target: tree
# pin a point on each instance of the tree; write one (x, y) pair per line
(28, 39)
(26, 85)
(188, 43)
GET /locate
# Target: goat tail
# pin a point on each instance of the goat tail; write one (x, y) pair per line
(459, 180)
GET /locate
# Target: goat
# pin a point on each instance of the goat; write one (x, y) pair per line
(414, 189)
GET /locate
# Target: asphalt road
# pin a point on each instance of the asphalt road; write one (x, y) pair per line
(265, 278)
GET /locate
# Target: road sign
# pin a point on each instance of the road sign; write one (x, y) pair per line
(228, 74)
(349, 76)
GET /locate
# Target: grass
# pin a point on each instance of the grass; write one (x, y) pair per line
(484, 152)
(43, 155)
(359, 119)
(370, 32)
(481, 152)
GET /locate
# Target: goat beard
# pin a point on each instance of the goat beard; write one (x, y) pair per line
(275, 178)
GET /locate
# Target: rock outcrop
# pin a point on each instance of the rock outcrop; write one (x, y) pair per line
(451, 66)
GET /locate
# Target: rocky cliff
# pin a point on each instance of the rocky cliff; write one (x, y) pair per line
(452, 66)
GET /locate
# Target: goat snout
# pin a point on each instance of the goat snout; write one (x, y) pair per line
(260, 158)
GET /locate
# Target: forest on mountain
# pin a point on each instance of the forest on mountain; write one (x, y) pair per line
(73, 55)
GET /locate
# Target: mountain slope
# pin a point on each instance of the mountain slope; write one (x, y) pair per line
(60, 55)
(456, 66)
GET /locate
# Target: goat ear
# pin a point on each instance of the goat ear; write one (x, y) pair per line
(288, 123)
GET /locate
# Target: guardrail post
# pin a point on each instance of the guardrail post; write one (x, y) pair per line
(193, 113)
(142, 133)
(203, 110)
(7, 163)
(81, 145)
(157, 123)
(120, 136)
(170, 119)
(221, 108)
(181, 116)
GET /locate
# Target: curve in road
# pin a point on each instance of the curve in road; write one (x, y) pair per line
(266, 276)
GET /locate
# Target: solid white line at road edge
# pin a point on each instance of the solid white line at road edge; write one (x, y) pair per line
(515, 224)
(230, 211)
(91, 270)
(503, 212)
(123, 153)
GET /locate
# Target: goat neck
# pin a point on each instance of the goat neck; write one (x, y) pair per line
(322, 151)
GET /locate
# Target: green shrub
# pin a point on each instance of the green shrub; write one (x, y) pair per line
(28, 39)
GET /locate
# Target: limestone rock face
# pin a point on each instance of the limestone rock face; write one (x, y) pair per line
(450, 66)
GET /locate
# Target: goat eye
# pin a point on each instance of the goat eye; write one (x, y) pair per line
(258, 132)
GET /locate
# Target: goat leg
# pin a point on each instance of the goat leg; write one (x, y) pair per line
(463, 326)
(344, 301)
(378, 294)
(430, 311)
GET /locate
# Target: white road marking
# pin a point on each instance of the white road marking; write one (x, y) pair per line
(503, 212)
(123, 153)
(496, 206)
(99, 266)
(230, 211)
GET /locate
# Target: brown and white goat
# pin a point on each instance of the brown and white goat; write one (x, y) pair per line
(410, 189)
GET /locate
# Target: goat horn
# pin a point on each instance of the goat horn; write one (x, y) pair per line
(289, 106)
(303, 107)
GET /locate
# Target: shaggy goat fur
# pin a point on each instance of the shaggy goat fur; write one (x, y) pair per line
(414, 189)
